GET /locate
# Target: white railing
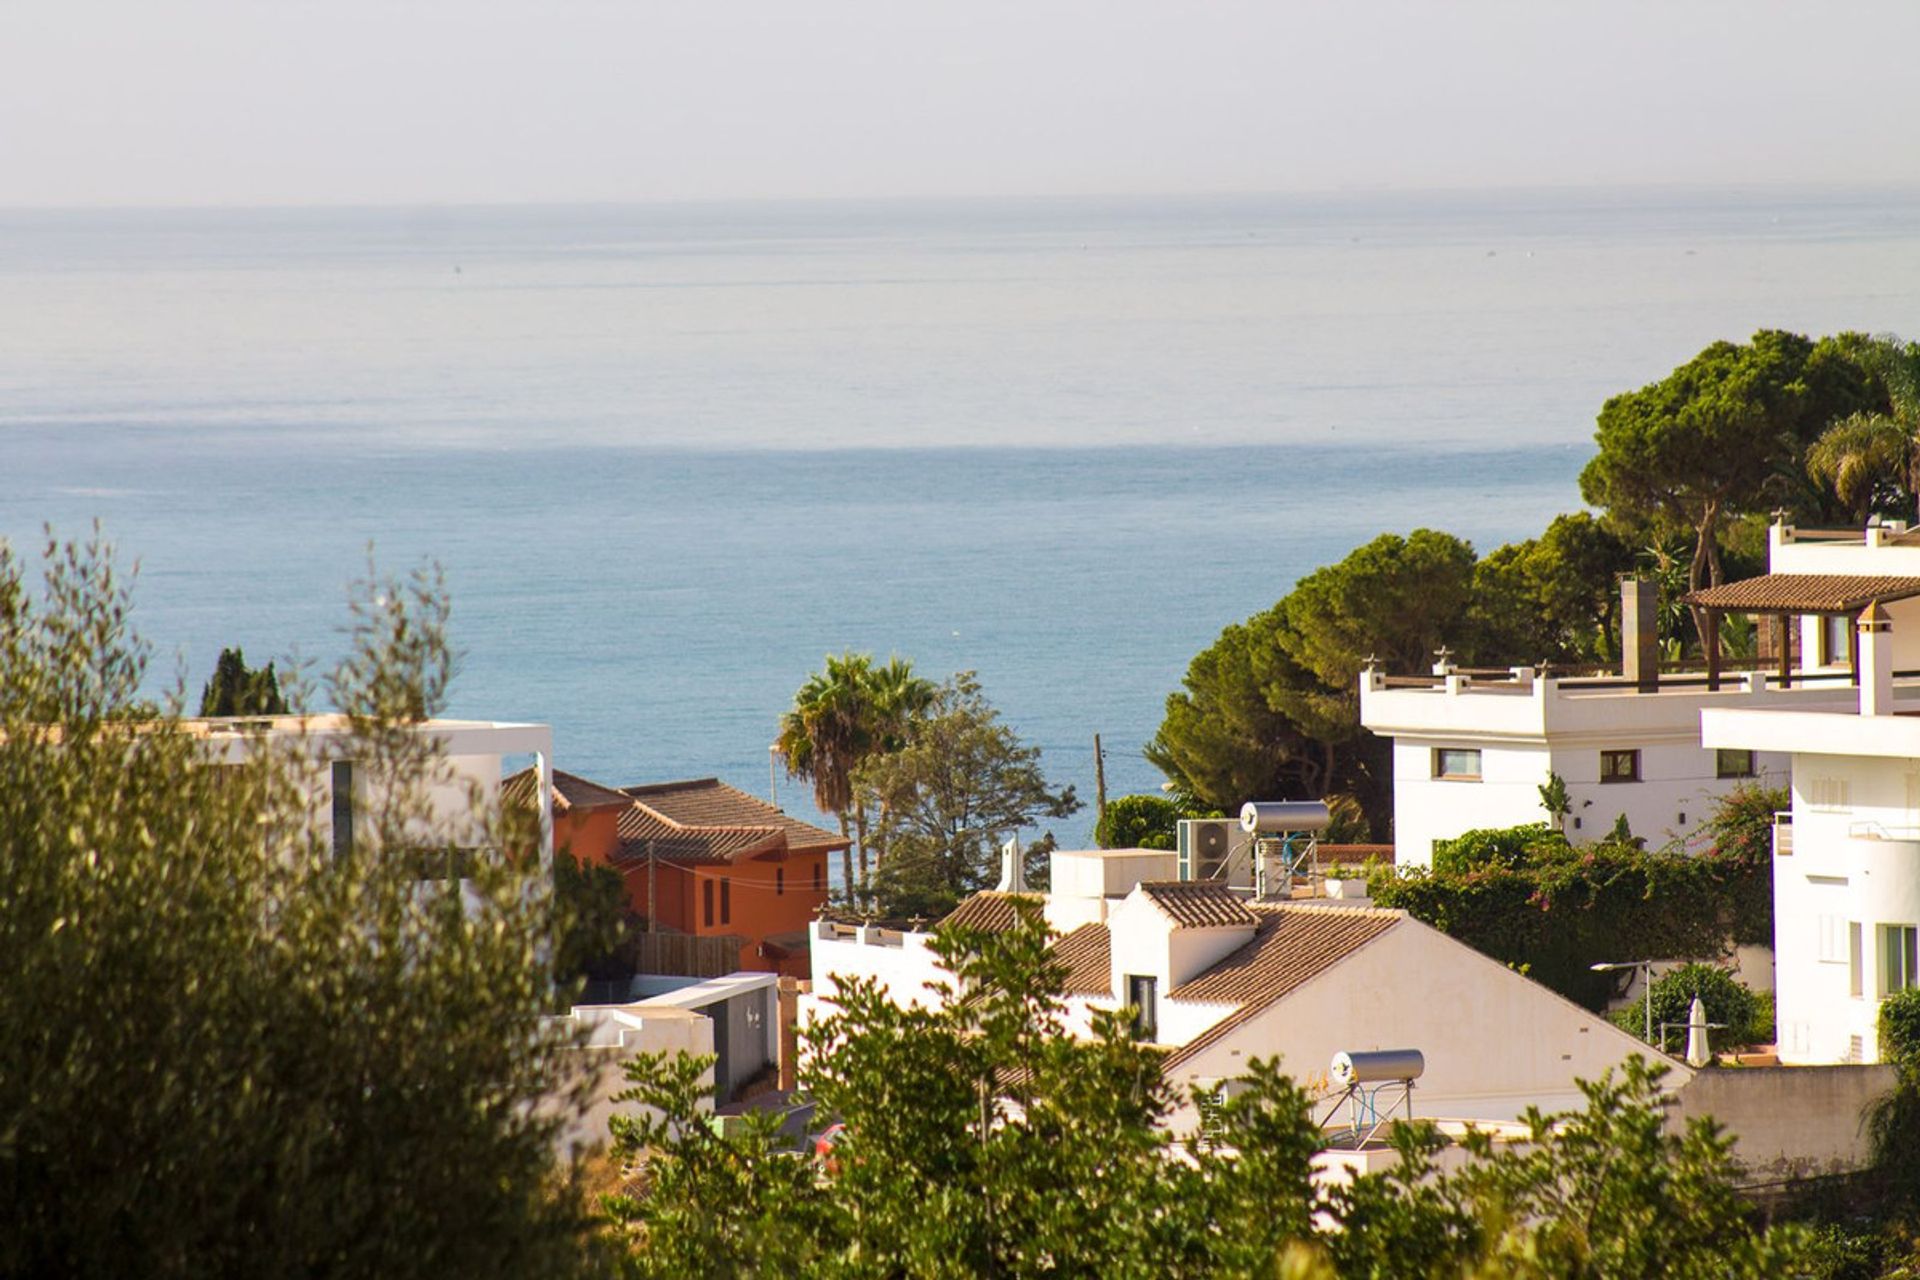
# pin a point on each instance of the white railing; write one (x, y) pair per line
(1880, 831)
(1782, 835)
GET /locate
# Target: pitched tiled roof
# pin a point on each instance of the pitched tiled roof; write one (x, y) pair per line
(643, 832)
(709, 802)
(570, 792)
(1087, 954)
(1197, 905)
(989, 910)
(1292, 945)
(1804, 593)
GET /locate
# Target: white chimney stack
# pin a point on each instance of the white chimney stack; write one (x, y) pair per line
(1013, 867)
(1876, 661)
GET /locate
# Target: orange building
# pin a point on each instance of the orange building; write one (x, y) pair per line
(710, 859)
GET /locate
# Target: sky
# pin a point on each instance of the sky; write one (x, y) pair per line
(294, 102)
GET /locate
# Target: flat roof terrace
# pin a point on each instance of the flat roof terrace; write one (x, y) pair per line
(1524, 704)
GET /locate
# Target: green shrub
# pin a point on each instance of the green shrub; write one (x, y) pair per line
(1492, 847)
(1727, 1001)
(1138, 822)
(1531, 900)
(1900, 1028)
(1761, 1030)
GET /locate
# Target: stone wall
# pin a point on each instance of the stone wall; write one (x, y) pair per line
(1788, 1122)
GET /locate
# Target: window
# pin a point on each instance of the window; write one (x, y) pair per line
(1853, 959)
(1140, 995)
(1732, 764)
(706, 906)
(1832, 945)
(1620, 766)
(726, 901)
(342, 808)
(779, 881)
(1459, 763)
(816, 874)
(1829, 793)
(1898, 968)
(1836, 640)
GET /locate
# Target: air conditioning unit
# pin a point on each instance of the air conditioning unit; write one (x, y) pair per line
(1215, 849)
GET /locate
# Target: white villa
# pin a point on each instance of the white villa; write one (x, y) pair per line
(1847, 865)
(1220, 979)
(1472, 749)
(473, 751)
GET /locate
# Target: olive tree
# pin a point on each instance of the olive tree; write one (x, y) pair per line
(225, 1049)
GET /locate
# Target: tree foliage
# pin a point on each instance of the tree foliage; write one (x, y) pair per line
(983, 1138)
(1140, 822)
(1722, 435)
(961, 783)
(847, 714)
(1727, 1001)
(235, 689)
(593, 899)
(223, 1049)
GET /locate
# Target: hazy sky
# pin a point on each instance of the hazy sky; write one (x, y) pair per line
(351, 101)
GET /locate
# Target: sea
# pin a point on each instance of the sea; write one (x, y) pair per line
(669, 457)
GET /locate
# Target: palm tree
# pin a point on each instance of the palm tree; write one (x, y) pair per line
(1875, 456)
(844, 715)
(1861, 458)
(899, 699)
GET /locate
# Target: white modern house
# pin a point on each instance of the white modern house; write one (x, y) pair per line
(1847, 855)
(1472, 749)
(344, 786)
(1219, 978)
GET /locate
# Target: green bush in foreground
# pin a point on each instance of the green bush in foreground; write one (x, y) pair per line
(224, 1049)
(984, 1139)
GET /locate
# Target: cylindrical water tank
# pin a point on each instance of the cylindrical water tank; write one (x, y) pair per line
(1377, 1065)
(1264, 817)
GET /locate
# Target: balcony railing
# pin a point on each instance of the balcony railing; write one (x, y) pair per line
(1783, 835)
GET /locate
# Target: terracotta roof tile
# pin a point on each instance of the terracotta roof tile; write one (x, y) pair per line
(570, 792)
(1292, 945)
(1804, 593)
(709, 802)
(1087, 954)
(642, 832)
(1196, 905)
(989, 910)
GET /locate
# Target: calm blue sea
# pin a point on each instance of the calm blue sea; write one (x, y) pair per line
(670, 457)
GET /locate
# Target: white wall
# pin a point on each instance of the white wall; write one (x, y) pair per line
(902, 962)
(1426, 808)
(1676, 794)
(1494, 1041)
(616, 1036)
(1855, 861)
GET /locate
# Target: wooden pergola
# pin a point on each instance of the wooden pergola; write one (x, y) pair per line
(1789, 595)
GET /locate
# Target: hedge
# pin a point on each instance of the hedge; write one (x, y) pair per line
(1558, 908)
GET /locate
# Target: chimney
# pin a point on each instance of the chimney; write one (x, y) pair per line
(1876, 661)
(1013, 867)
(1639, 637)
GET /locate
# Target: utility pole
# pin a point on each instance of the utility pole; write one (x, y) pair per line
(653, 903)
(1099, 781)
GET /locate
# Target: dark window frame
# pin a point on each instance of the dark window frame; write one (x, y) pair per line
(706, 896)
(1609, 774)
(779, 881)
(1444, 774)
(1146, 1012)
(726, 899)
(1720, 769)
